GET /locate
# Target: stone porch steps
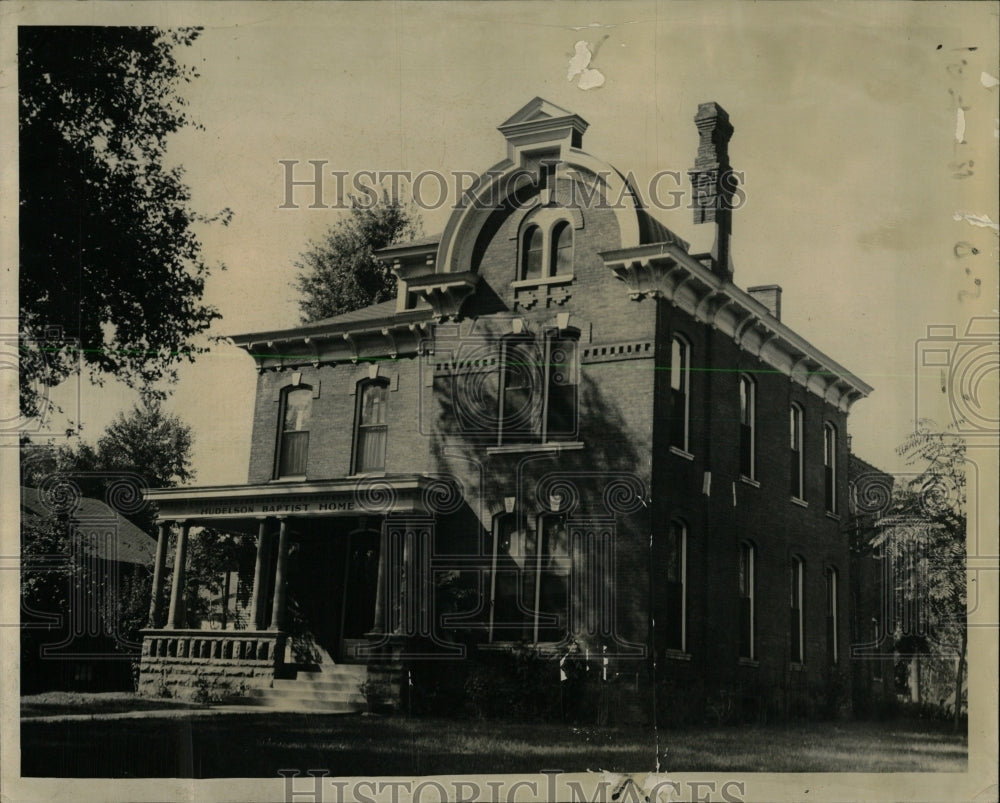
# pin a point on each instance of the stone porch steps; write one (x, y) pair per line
(334, 690)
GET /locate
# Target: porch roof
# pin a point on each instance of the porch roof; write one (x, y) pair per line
(348, 496)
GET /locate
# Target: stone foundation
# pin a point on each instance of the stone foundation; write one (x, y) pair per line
(208, 666)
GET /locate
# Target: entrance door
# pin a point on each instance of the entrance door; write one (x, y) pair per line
(360, 590)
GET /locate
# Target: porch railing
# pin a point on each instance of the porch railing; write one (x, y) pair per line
(216, 646)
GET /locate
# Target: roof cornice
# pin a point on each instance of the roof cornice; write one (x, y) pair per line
(667, 271)
(392, 336)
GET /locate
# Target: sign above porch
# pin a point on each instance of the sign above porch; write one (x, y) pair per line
(383, 495)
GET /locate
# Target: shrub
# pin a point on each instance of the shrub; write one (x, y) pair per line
(376, 693)
(831, 699)
(516, 684)
(437, 688)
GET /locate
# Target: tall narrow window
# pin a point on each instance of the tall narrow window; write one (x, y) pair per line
(293, 447)
(831, 615)
(675, 577)
(532, 253)
(797, 625)
(561, 262)
(747, 579)
(748, 412)
(561, 385)
(371, 427)
(795, 432)
(538, 388)
(680, 369)
(520, 405)
(552, 572)
(830, 466)
(507, 618)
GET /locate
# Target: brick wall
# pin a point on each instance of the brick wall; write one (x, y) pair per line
(624, 411)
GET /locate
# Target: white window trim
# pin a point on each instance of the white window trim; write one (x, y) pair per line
(833, 600)
(559, 278)
(546, 224)
(798, 566)
(830, 461)
(796, 409)
(283, 393)
(751, 595)
(359, 391)
(686, 388)
(543, 442)
(752, 403)
(682, 650)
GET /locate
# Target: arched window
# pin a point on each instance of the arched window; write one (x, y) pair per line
(675, 580)
(546, 249)
(748, 424)
(795, 421)
(797, 624)
(747, 583)
(293, 438)
(832, 604)
(532, 252)
(561, 260)
(370, 426)
(680, 381)
(830, 466)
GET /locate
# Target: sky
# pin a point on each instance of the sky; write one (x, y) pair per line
(847, 120)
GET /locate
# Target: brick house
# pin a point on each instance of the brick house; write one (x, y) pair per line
(568, 416)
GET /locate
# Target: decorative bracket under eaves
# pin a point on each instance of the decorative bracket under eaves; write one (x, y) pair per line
(445, 292)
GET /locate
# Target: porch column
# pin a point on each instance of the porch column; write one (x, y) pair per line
(163, 531)
(175, 618)
(280, 579)
(259, 602)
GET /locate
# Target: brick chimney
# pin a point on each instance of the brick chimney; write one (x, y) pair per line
(770, 296)
(713, 182)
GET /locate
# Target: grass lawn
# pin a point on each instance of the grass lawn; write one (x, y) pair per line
(54, 703)
(260, 744)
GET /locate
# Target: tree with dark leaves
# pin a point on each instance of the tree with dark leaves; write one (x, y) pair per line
(341, 273)
(111, 272)
(924, 536)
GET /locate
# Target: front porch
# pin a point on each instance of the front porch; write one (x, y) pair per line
(346, 552)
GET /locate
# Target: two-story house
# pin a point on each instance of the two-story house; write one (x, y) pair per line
(592, 428)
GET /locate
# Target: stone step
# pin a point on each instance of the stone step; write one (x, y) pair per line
(334, 689)
(335, 684)
(335, 673)
(286, 701)
(306, 695)
(313, 706)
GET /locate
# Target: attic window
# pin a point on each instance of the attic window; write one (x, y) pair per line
(546, 252)
(531, 254)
